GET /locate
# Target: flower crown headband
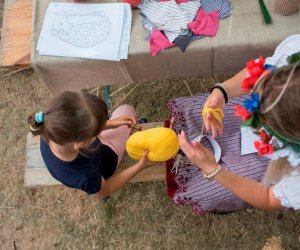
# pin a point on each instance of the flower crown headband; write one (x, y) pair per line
(251, 113)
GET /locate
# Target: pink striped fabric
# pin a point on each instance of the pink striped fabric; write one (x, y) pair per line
(194, 190)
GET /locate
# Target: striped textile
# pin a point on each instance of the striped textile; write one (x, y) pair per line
(148, 26)
(170, 17)
(224, 6)
(190, 8)
(193, 189)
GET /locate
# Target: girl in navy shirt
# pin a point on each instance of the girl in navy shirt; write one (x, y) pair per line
(81, 147)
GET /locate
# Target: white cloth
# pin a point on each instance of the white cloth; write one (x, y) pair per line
(292, 156)
(166, 16)
(287, 190)
(286, 48)
(190, 8)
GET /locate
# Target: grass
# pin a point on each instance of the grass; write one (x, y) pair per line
(140, 216)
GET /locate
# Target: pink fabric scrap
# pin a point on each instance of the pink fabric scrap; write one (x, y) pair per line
(158, 42)
(206, 24)
(181, 1)
(177, 1)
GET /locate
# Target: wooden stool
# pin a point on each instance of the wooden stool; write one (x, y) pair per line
(36, 173)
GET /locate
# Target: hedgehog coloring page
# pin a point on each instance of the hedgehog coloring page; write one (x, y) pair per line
(83, 30)
(93, 31)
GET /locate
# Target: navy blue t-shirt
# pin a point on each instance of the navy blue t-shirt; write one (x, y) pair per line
(86, 171)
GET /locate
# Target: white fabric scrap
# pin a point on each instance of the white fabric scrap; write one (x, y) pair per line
(169, 16)
(190, 8)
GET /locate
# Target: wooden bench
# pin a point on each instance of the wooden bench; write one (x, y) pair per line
(36, 173)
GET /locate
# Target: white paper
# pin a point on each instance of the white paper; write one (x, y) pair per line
(95, 31)
(247, 140)
(248, 137)
(126, 34)
(214, 143)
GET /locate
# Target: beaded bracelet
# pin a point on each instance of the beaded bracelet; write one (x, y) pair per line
(222, 89)
(213, 174)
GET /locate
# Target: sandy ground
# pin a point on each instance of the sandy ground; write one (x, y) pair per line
(140, 216)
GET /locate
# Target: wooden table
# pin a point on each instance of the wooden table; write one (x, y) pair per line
(16, 33)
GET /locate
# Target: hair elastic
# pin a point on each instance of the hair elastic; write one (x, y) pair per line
(39, 117)
(221, 87)
(33, 129)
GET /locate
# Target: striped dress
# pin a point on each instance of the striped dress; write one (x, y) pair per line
(191, 187)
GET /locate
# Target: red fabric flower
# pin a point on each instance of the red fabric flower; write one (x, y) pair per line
(256, 71)
(259, 62)
(255, 68)
(240, 111)
(265, 138)
(248, 83)
(263, 148)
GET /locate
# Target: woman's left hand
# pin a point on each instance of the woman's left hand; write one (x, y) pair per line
(197, 154)
(120, 121)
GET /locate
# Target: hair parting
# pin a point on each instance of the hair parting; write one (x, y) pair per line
(282, 91)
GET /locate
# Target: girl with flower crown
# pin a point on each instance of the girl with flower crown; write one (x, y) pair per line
(271, 181)
(81, 147)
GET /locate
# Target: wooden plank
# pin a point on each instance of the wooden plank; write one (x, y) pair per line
(36, 173)
(15, 47)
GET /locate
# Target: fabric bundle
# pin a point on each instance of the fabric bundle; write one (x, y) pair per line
(181, 21)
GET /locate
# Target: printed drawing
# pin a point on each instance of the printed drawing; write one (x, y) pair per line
(81, 30)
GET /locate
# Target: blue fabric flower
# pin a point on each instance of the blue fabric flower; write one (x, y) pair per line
(252, 104)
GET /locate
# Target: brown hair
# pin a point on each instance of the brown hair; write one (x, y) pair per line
(71, 117)
(283, 116)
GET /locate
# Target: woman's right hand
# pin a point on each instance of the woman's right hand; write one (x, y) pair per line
(214, 100)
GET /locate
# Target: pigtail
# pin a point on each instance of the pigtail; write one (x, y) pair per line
(36, 123)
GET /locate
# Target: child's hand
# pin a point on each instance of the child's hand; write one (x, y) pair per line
(120, 121)
(145, 163)
(214, 100)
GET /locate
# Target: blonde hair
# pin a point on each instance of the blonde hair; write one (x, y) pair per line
(276, 170)
(283, 116)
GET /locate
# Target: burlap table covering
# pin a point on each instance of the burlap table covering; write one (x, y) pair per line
(240, 37)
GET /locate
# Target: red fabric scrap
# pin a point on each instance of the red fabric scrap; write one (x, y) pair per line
(177, 1)
(133, 3)
(170, 177)
(181, 1)
(158, 42)
(206, 24)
